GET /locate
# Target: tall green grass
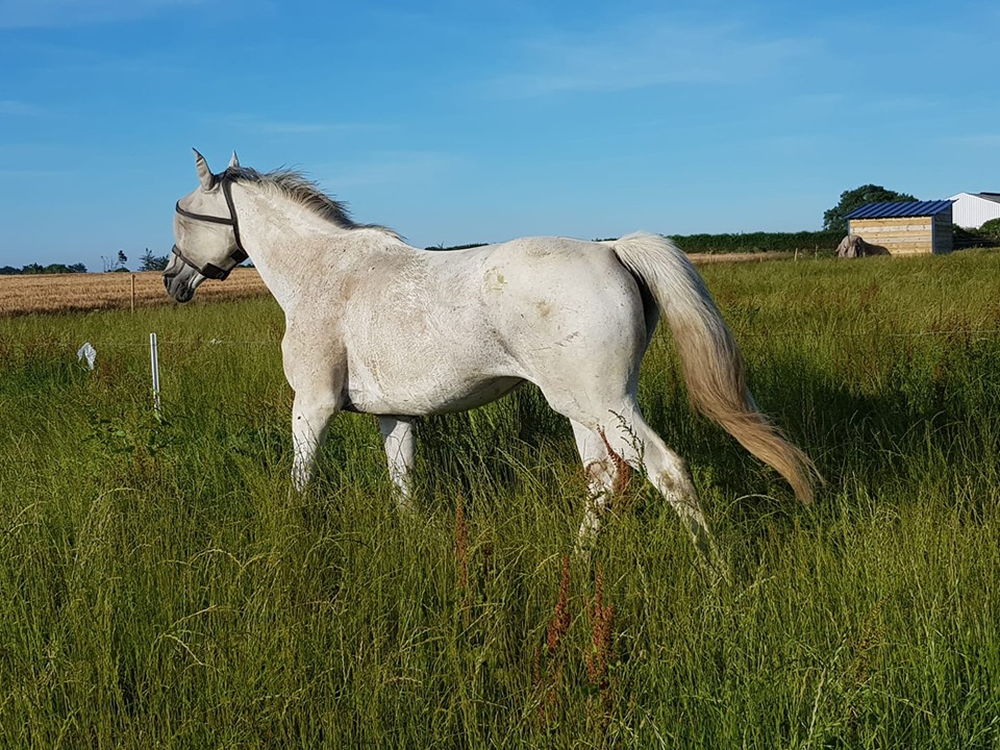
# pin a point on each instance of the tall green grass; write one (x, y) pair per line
(160, 586)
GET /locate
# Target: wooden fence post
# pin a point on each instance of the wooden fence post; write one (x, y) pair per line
(132, 305)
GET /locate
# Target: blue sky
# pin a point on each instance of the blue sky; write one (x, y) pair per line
(459, 122)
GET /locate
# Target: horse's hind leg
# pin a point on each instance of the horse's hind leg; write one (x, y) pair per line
(668, 473)
(598, 469)
(602, 471)
(621, 433)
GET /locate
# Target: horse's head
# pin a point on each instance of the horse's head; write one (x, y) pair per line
(206, 234)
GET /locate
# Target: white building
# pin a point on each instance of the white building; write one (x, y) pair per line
(972, 210)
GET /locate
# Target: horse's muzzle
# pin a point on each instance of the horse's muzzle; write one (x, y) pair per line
(180, 280)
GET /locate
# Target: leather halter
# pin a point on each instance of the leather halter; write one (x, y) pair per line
(210, 270)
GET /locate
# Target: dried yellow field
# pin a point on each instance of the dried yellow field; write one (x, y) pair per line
(77, 292)
(70, 292)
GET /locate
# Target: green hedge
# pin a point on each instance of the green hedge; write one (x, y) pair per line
(988, 235)
(757, 242)
(749, 242)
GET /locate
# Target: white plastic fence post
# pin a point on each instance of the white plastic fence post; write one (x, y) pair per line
(154, 364)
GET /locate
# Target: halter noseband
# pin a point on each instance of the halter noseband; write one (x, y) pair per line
(210, 270)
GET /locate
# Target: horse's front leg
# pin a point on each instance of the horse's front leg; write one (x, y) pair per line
(398, 441)
(311, 414)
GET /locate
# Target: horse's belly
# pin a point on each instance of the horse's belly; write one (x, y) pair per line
(420, 398)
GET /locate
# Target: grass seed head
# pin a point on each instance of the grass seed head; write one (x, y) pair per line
(559, 623)
(461, 547)
(602, 620)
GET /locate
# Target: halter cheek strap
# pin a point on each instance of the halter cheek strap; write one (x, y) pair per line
(210, 270)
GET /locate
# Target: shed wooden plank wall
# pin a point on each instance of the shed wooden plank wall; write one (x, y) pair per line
(907, 236)
(944, 235)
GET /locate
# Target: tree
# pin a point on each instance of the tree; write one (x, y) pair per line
(152, 262)
(990, 230)
(117, 265)
(36, 268)
(851, 199)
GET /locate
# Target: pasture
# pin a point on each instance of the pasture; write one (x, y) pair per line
(160, 585)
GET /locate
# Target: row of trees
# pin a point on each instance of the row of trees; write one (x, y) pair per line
(148, 262)
(33, 268)
(834, 228)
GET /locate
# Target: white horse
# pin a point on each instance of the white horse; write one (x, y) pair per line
(374, 325)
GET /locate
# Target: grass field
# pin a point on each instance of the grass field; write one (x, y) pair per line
(161, 587)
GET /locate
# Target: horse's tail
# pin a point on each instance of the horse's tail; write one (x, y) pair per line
(711, 360)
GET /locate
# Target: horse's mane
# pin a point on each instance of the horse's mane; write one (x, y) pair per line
(297, 187)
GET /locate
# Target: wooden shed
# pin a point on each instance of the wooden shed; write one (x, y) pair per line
(905, 227)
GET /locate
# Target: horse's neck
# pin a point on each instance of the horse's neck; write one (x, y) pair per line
(290, 245)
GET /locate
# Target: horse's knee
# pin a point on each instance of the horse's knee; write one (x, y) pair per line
(676, 478)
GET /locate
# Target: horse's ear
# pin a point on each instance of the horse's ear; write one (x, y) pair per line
(234, 161)
(204, 173)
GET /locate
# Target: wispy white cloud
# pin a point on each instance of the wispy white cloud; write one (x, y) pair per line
(791, 142)
(34, 173)
(881, 102)
(388, 167)
(904, 103)
(269, 126)
(827, 99)
(49, 13)
(978, 140)
(293, 128)
(648, 52)
(15, 107)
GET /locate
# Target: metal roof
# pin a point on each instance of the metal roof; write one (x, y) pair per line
(899, 209)
(995, 197)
